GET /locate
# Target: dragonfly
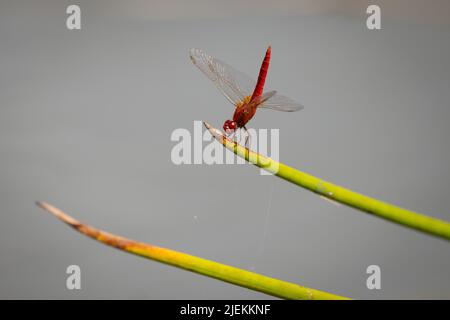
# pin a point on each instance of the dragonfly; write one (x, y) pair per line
(246, 94)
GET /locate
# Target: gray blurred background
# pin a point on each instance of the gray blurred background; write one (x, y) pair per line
(85, 124)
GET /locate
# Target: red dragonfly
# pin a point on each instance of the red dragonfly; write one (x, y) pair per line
(242, 91)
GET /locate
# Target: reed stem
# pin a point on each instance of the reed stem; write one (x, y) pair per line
(407, 218)
(239, 277)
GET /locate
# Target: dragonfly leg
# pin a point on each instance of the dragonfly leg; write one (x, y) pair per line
(247, 138)
(232, 136)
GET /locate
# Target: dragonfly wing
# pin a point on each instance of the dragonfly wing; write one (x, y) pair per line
(281, 103)
(266, 96)
(233, 84)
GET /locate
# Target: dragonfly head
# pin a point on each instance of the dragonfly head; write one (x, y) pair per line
(229, 126)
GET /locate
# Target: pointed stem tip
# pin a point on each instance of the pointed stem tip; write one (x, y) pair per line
(207, 125)
(215, 132)
(57, 213)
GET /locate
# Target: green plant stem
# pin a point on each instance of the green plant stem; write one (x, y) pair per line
(336, 193)
(243, 278)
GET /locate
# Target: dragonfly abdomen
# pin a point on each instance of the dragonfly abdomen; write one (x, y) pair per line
(262, 75)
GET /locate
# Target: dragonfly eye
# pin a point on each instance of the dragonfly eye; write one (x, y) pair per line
(229, 126)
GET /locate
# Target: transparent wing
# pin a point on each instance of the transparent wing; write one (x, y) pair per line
(281, 103)
(234, 85)
(266, 96)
